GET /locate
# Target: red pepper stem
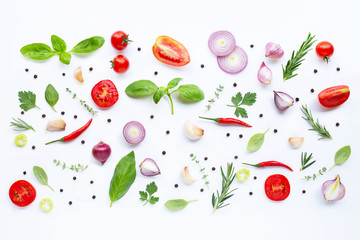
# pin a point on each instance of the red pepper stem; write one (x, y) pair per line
(58, 140)
(254, 165)
(213, 119)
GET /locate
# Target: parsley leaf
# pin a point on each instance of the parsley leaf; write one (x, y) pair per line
(154, 200)
(27, 100)
(237, 98)
(143, 195)
(151, 188)
(241, 111)
(249, 99)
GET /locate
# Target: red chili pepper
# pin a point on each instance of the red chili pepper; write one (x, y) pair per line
(269, 164)
(228, 121)
(72, 135)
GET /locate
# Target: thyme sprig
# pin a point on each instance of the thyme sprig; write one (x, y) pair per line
(305, 159)
(76, 167)
(314, 176)
(316, 126)
(20, 125)
(193, 158)
(83, 103)
(219, 89)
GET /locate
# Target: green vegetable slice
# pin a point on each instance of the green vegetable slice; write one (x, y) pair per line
(46, 204)
(242, 175)
(20, 140)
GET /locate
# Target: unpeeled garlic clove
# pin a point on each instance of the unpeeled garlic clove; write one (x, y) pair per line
(78, 74)
(273, 50)
(192, 131)
(264, 74)
(186, 176)
(296, 142)
(56, 125)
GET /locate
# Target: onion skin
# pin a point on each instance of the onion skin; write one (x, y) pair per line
(226, 65)
(283, 100)
(273, 50)
(264, 74)
(101, 152)
(333, 190)
(334, 96)
(149, 168)
(228, 47)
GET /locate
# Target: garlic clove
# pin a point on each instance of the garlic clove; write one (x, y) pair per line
(333, 190)
(273, 50)
(264, 74)
(149, 168)
(296, 142)
(56, 125)
(283, 100)
(186, 176)
(192, 131)
(78, 74)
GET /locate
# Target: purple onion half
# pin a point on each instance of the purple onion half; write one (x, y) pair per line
(333, 190)
(149, 168)
(283, 100)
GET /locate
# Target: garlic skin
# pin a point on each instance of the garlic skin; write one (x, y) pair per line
(333, 190)
(296, 142)
(78, 74)
(56, 125)
(186, 176)
(192, 131)
(283, 100)
(149, 168)
(273, 50)
(264, 74)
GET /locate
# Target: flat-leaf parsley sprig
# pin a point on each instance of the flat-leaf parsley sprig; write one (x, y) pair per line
(316, 126)
(249, 99)
(219, 89)
(90, 109)
(147, 196)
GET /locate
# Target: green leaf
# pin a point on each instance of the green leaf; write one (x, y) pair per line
(256, 142)
(342, 155)
(191, 92)
(153, 200)
(89, 45)
(27, 100)
(37, 51)
(51, 96)
(143, 195)
(123, 178)
(58, 44)
(249, 99)
(41, 176)
(177, 204)
(65, 58)
(173, 83)
(159, 94)
(241, 111)
(141, 88)
(237, 98)
(151, 188)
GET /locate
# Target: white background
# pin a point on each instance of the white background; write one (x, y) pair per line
(301, 216)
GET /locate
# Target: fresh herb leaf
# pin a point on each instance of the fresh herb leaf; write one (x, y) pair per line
(173, 83)
(65, 58)
(76, 167)
(314, 176)
(143, 195)
(240, 112)
(219, 89)
(51, 96)
(191, 92)
(41, 176)
(58, 44)
(90, 109)
(20, 125)
(37, 51)
(177, 204)
(305, 159)
(256, 142)
(249, 99)
(316, 126)
(27, 100)
(89, 45)
(151, 188)
(193, 158)
(159, 94)
(141, 88)
(153, 200)
(342, 155)
(237, 98)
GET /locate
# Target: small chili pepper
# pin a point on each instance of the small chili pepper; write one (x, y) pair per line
(72, 135)
(269, 164)
(228, 121)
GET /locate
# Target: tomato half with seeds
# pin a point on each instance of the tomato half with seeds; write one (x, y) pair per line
(105, 94)
(277, 187)
(22, 193)
(170, 51)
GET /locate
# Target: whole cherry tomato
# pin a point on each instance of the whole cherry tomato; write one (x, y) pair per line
(324, 50)
(22, 193)
(120, 64)
(120, 40)
(170, 51)
(105, 94)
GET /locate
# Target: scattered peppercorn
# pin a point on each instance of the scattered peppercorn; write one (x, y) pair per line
(176, 185)
(297, 99)
(275, 130)
(82, 141)
(70, 202)
(205, 158)
(312, 90)
(235, 84)
(90, 69)
(255, 177)
(74, 178)
(91, 182)
(35, 76)
(315, 70)
(252, 45)
(61, 190)
(338, 69)
(228, 134)
(202, 65)
(261, 115)
(163, 152)
(93, 197)
(303, 191)
(33, 147)
(63, 74)
(201, 189)
(240, 136)
(22, 112)
(167, 132)
(152, 116)
(337, 124)
(109, 120)
(236, 157)
(155, 73)
(139, 49)
(213, 168)
(62, 113)
(250, 193)
(43, 116)
(24, 172)
(75, 116)
(26, 69)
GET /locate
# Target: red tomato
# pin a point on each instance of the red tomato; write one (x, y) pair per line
(22, 193)
(120, 64)
(105, 94)
(120, 40)
(170, 51)
(334, 96)
(324, 50)
(277, 187)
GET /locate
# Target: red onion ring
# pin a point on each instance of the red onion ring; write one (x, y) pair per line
(221, 43)
(134, 132)
(235, 62)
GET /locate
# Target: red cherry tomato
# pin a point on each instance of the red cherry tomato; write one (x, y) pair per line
(105, 94)
(277, 187)
(120, 40)
(324, 50)
(22, 193)
(120, 64)
(170, 51)
(334, 96)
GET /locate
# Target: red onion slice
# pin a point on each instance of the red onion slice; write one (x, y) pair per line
(235, 62)
(134, 132)
(333, 190)
(221, 43)
(283, 100)
(149, 168)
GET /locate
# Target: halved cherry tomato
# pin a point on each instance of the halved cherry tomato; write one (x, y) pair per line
(120, 64)
(324, 50)
(334, 96)
(22, 193)
(105, 94)
(170, 51)
(277, 187)
(120, 40)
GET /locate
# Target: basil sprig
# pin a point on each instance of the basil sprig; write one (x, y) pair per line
(41, 176)
(142, 88)
(41, 51)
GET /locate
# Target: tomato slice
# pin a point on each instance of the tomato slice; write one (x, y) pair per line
(277, 187)
(170, 51)
(105, 94)
(22, 193)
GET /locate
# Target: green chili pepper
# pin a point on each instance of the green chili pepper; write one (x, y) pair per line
(20, 140)
(46, 205)
(242, 175)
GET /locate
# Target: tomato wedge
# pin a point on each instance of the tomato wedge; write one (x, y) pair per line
(22, 193)
(170, 51)
(105, 94)
(277, 187)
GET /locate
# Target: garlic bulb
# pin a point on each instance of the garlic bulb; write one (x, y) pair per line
(273, 50)
(56, 125)
(186, 176)
(264, 74)
(296, 142)
(192, 131)
(78, 74)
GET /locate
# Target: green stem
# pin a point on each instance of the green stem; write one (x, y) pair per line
(111, 204)
(58, 140)
(50, 188)
(53, 108)
(266, 131)
(231, 105)
(213, 119)
(254, 165)
(146, 202)
(332, 167)
(172, 104)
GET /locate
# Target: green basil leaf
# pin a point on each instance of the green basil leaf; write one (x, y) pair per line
(58, 44)
(159, 94)
(89, 45)
(65, 58)
(342, 155)
(123, 178)
(51, 96)
(177, 204)
(37, 51)
(41, 176)
(173, 83)
(191, 92)
(141, 88)
(256, 142)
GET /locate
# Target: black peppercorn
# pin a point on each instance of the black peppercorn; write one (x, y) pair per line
(35, 76)
(155, 73)
(43, 116)
(109, 120)
(152, 116)
(213, 168)
(275, 130)
(163, 152)
(24, 172)
(62, 113)
(82, 141)
(205, 158)
(201, 189)
(176, 185)
(252, 45)
(240, 136)
(297, 99)
(90, 69)
(63, 74)
(337, 124)
(315, 70)
(261, 115)
(26, 69)
(250, 193)
(61, 190)
(228, 134)
(236, 157)
(167, 132)
(235, 84)
(338, 69)
(91, 182)
(139, 49)
(312, 90)
(93, 197)
(33, 147)
(202, 66)
(255, 177)
(22, 112)
(303, 191)
(75, 116)
(70, 202)
(74, 178)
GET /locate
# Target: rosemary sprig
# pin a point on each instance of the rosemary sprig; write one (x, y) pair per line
(322, 131)
(219, 89)
(20, 125)
(314, 176)
(193, 158)
(296, 59)
(90, 109)
(76, 167)
(219, 200)
(305, 159)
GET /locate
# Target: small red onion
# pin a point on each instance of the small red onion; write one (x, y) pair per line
(235, 62)
(101, 152)
(333, 190)
(264, 74)
(149, 168)
(273, 50)
(283, 100)
(221, 43)
(134, 132)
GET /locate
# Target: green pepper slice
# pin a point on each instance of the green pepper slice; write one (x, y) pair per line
(242, 175)
(20, 140)
(46, 205)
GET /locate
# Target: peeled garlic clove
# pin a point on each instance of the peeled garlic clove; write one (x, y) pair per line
(78, 75)
(56, 125)
(186, 176)
(283, 100)
(149, 168)
(273, 50)
(296, 142)
(192, 131)
(333, 190)
(264, 74)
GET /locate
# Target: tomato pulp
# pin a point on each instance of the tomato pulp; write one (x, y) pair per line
(277, 187)
(170, 51)
(22, 193)
(105, 94)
